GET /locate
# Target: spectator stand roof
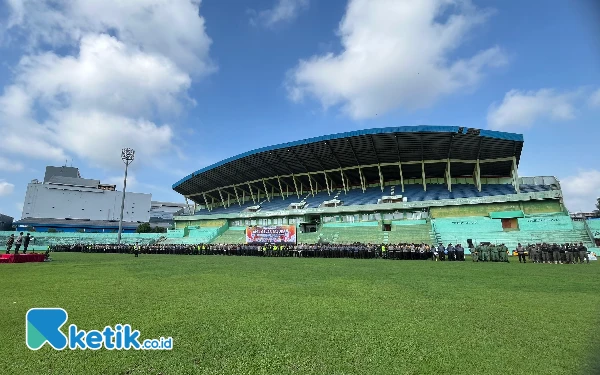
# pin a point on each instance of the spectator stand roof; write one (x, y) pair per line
(357, 158)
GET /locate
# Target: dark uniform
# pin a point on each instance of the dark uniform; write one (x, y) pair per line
(521, 254)
(583, 255)
(26, 240)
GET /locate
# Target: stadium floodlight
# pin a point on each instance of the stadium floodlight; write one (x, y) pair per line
(127, 155)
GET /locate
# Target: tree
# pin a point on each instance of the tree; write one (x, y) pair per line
(597, 212)
(144, 228)
(52, 230)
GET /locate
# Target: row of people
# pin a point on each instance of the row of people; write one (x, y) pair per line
(485, 252)
(356, 250)
(18, 241)
(488, 252)
(567, 253)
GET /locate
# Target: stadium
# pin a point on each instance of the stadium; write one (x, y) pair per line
(423, 184)
(294, 313)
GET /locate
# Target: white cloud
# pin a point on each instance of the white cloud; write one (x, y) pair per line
(395, 54)
(170, 28)
(282, 11)
(107, 75)
(125, 71)
(95, 101)
(521, 109)
(132, 182)
(595, 99)
(6, 188)
(581, 190)
(10, 165)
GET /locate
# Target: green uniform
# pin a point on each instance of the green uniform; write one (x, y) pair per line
(494, 253)
(503, 253)
(484, 254)
(475, 253)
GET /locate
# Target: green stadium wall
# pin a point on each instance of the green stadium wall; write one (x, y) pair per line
(528, 207)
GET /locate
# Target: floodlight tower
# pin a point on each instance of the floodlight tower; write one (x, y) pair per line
(127, 155)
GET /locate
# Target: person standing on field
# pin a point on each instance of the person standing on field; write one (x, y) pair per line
(26, 241)
(9, 243)
(545, 254)
(18, 242)
(568, 253)
(521, 253)
(556, 253)
(475, 253)
(583, 253)
(494, 251)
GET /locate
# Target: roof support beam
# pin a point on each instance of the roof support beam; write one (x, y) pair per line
(280, 188)
(237, 197)
(448, 176)
(343, 180)
(423, 175)
(401, 176)
(296, 186)
(477, 176)
(251, 193)
(362, 180)
(327, 184)
(380, 176)
(311, 185)
(515, 175)
(222, 200)
(365, 166)
(266, 190)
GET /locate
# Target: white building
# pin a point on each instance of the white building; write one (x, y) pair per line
(64, 194)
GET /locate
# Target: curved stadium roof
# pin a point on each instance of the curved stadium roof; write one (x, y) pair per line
(374, 150)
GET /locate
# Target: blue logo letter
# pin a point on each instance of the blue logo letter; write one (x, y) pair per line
(43, 325)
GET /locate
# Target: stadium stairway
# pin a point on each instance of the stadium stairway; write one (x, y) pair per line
(233, 235)
(558, 229)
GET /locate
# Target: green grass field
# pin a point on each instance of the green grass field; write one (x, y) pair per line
(245, 315)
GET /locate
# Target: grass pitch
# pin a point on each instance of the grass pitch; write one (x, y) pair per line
(246, 315)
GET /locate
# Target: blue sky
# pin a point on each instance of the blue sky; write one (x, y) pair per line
(188, 83)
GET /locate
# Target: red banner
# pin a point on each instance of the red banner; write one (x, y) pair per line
(271, 234)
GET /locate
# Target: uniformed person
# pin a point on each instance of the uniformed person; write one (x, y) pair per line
(494, 253)
(556, 253)
(568, 253)
(521, 253)
(583, 255)
(475, 253)
(505, 252)
(545, 254)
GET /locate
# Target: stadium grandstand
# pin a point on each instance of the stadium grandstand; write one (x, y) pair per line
(409, 184)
